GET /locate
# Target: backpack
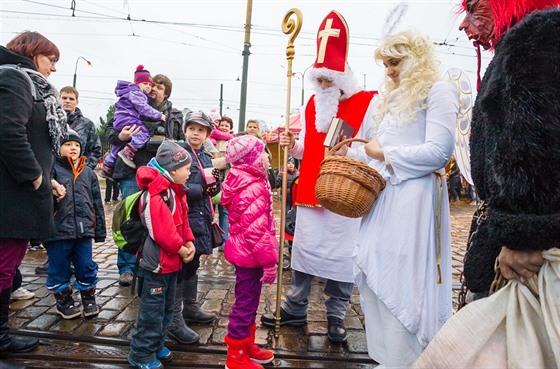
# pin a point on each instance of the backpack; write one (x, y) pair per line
(128, 231)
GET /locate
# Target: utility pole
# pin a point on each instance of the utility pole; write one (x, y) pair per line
(246, 53)
(221, 97)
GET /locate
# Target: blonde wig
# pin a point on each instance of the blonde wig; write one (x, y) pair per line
(418, 74)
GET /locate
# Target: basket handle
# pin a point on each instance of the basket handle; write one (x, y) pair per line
(343, 142)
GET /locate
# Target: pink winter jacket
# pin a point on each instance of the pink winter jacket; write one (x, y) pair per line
(252, 232)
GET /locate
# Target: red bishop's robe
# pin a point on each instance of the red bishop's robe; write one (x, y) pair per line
(352, 111)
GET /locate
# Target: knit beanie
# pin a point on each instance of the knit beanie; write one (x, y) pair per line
(171, 156)
(72, 136)
(142, 75)
(214, 115)
(244, 150)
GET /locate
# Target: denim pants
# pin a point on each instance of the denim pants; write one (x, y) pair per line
(12, 251)
(61, 255)
(223, 221)
(125, 260)
(157, 298)
(247, 295)
(296, 302)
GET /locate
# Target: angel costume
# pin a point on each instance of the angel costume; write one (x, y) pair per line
(407, 233)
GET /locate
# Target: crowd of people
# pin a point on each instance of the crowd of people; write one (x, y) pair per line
(190, 167)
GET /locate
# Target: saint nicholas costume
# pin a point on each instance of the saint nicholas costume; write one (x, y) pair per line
(324, 241)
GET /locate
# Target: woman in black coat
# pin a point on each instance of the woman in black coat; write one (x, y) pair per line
(32, 125)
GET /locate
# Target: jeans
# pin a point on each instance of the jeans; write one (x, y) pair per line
(62, 254)
(125, 260)
(157, 298)
(223, 221)
(12, 251)
(296, 302)
(243, 313)
(455, 187)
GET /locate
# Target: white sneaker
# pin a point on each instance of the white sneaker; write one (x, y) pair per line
(21, 294)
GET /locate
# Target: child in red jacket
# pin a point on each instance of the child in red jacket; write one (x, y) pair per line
(251, 246)
(164, 212)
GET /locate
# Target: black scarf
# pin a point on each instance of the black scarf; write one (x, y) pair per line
(56, 117)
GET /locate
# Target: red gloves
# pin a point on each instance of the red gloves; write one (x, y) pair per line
(269, 275)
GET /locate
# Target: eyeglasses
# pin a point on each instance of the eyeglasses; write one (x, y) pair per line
(53, 60)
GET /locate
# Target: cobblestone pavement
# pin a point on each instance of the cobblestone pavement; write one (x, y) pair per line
(216, 293)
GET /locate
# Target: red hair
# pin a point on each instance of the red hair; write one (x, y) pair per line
(507, 13)
(30, 44)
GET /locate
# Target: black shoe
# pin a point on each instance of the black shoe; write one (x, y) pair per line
(337, 330)
(183, 334)
(195, 315)
(42, 269)
(16, 345)
(269, 320)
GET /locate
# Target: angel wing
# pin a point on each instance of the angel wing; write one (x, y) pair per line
(393, 18)
(463, 125)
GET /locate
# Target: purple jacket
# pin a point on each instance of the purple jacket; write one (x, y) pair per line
(252, 232)
(132, 106)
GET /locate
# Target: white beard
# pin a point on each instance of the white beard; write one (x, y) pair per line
(326, 107)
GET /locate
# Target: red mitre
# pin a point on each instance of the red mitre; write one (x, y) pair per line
(332, 43)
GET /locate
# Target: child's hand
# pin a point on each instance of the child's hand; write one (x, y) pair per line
(163, 117)
(58, 190)
(187, 252)
(269, 275)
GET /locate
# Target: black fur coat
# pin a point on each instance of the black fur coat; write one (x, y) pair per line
(515, 146)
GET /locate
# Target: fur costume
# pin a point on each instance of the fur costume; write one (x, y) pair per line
(515, 146)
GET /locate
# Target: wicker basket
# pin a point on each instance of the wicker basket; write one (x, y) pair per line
(347, 186)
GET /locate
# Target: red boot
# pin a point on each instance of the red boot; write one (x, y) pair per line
(237, 357)
(257, 354)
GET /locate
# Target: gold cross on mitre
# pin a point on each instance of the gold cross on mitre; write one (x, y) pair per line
(324, 35)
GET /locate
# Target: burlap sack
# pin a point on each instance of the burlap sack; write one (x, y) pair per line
(513, 328)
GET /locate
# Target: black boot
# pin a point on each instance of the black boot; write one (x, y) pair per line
(183, 334)
(65, 304)
(9, 344)
(88, 302)
(191, 311)
(178, 329)
(43, 268)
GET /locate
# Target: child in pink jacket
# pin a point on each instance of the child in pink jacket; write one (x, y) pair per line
(251, 246)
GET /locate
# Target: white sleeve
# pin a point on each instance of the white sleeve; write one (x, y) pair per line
(414, 161)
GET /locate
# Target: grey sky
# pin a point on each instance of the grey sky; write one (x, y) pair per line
(198, 45)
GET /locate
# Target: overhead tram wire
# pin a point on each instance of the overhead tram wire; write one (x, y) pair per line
(256, 30)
